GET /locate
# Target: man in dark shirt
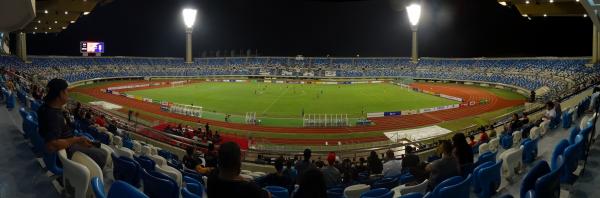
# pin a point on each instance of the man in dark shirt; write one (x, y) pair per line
(278, 178)
(226, 180)
(55, 130)
(305, 164)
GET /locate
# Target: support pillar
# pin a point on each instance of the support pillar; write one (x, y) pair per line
(188, 48)
(595, 45)
(22, 46)
(415, 51)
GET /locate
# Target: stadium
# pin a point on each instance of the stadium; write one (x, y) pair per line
(125, 123)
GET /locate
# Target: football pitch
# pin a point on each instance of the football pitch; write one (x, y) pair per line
(292, 100)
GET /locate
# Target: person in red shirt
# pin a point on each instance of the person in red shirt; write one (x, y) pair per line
(483, 137)
(472, 141)
(100, 121)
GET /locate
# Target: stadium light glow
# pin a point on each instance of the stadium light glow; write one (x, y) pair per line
(55, 22)
(503, 3)
(39, 21)
(72, 21)
(584, 15)
(64, 28)
(66, 12)
(49, 28)
(545, 15)
(35, 28)
(86, 13)
(524, 15)
(414, 14)
(45, 11)
(189, 17)
(551, 1)
(527, 2)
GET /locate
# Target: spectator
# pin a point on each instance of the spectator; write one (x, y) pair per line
(305, 164)
(55, 130)
(514, 124)
(462, 151)
(443, 168)
(331, 174)
(311, 184)
(129, 114)
(557, 107)
(290, 171)
(189, 160)
(550, 111)
(361, 166)
(472, 141)
(100, 121)
(483, 136)
(211, 156)
(278, 178)
(412, 164)
(374, 163)
(392, 167)
(347, 171)
(226, 181)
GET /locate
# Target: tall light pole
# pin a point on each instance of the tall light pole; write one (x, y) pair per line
(414, 13)
(189, 17)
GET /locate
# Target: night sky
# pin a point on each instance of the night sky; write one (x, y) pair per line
(448, 28)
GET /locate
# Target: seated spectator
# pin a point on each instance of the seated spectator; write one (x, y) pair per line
(550, 111)
(278, 178)
(347, 171)
(311, 184)
(444, 168)
(392, 167)
(226, 180)
(211, 156)
(361, 167)
(462, 151)
(374, 163)
(514, 124)
(217, 137)
(304, 164)
(189, 160)
(557, 107)
(100, 121)
(331, 174)
(483, 136)
(412, 164)
(290, 171)
(472, 141)
(54, 127)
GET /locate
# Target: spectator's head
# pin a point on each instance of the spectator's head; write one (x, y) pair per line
(408, 149)
(459, 140)
(211, 147)
(373, 155)
(312, 184)
(230, 157)
(446, 148)
(289, 163)
(389, 155)
(362, 160)
(279, 164)
(307, 154)
(549, 105)
(189, 151)
(472, 138)
(515, 116)
(57, 92)
(331, 158)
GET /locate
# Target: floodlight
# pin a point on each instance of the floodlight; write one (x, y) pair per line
(414, 13)
(66, 12)
(189, 17)
(72, 21)
(584, 15)
(86, 13)
(503, 3)
(527, 2)
(45, 11)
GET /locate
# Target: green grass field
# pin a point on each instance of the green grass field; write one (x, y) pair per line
(289, 100)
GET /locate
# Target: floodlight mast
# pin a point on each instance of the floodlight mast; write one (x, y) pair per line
(189, 17)
(414, 14)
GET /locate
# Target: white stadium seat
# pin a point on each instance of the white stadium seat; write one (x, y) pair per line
(484, 147)
(75, 175)
(512, 163)
(534, 133)
(118, 141)
(108, 150)
(493, 144)
(544, 127)
(91, 165)
(355, 191)
(124, 152)
(517, 136)
(403, 190)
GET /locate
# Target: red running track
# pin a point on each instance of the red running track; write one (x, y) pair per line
(381, 124)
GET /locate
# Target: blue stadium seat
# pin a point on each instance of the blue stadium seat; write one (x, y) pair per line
(388, 183)
(558, 154)
(278, 191)
(412, 195)
(335, 193)
(573, 132)
(192, 190)
(145, 162)
(159, 185)
(120, 189)
(98, 187)
(126, 169)
(571, 160)
(448, 182)
(485, 157)
(529, 181)
(567, 119)
(378, 193)
(489, 179)
(530, 150)
(506, 141)
(460, 190)
(405, 178)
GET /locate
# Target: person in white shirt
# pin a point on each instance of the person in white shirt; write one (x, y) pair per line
(550, 111)
(392, 167)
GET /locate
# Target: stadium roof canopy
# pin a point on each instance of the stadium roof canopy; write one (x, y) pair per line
(543, 8)
(51, 16)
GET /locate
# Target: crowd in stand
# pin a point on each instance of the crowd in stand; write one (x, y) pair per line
(561, 75)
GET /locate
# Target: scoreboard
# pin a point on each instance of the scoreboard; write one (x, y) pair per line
(91, 47)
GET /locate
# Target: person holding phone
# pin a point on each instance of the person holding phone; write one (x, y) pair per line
(54, 126)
